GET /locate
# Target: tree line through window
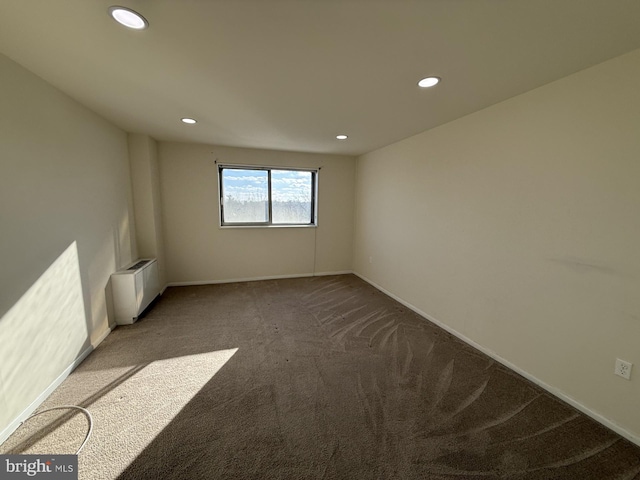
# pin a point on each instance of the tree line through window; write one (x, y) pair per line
(263, 196)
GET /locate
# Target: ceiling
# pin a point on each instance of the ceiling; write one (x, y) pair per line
(292, 74)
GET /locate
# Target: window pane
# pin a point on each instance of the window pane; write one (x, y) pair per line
(291, 196)
(246, 195)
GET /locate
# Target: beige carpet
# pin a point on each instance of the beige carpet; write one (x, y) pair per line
(313, 378)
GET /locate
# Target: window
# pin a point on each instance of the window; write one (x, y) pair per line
(263, 196)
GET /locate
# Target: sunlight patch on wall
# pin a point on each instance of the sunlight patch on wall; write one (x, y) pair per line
(42, 334)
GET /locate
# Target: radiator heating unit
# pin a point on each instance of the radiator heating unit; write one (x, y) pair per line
(133, 289)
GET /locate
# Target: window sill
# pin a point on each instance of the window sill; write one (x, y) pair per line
(224, 227)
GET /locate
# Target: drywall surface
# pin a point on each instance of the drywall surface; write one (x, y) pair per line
(145, 181)
(199, 250)
(65, 211)
(518, 228)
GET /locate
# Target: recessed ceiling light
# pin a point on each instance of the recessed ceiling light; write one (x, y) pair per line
(190, 121)
(341, 137)
(128, 18)
(428, 82)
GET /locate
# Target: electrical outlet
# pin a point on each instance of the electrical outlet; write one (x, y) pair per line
(623, 369)
(370, 259)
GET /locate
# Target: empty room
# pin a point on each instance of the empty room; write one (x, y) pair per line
(320, 239)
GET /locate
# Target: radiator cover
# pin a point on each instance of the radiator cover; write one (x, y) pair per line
(133, 289)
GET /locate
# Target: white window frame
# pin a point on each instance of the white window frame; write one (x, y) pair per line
(269, 223)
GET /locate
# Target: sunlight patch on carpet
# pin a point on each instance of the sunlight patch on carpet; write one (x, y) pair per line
(146, 403)
(131, 408)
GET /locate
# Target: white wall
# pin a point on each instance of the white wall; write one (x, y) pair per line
(145, 181)
(518, 227)
(66, 220)
(198, 250)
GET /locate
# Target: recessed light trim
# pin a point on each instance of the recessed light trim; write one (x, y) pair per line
(342, 137)
(189, 121)
(429, 82)
(127, 17)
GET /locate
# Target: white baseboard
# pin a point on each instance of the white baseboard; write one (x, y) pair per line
(255, 279)
(326, 274)
(100, 339)
(13, 426)
(552, 390)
